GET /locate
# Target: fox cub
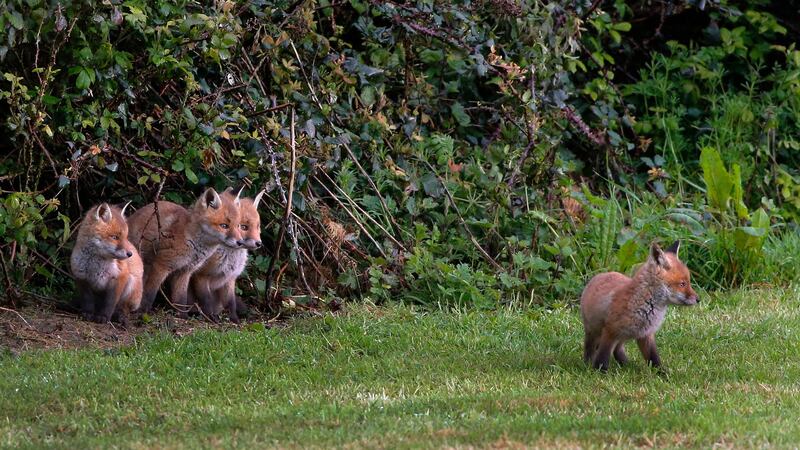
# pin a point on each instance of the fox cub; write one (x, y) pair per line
(217, 277)
(107, 268)
(177, 241)
(616, 308)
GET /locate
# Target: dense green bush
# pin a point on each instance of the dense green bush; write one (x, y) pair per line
(448, 153)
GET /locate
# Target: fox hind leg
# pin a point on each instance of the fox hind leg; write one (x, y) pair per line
(589, 346)
(605, 347)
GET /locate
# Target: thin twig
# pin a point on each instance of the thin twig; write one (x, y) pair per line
(137, 159)
(41, 145)
(10, 289)
(286, 218)
(591, 9)
(268, 110)
(51, 300)
(532, 127)
(50, 263)
(290, 225)
(20, 316)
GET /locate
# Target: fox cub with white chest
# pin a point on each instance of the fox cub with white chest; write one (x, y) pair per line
(616, 308)
(107, 268)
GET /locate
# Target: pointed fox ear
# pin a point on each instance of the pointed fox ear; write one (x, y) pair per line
(658, 256)
(211, 199)
(258, 198)
(674, 248)
(238, 196)
(103, 213)
(124, 208)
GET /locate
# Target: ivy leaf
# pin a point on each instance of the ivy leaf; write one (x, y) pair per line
(84, 80)
(190, 175)
(457, 109)
(622, 26)
(432, 186)
(309, 128)
(16, 20)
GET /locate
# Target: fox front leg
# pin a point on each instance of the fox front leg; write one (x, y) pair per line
(86, 299)
(647, 345)
(227, 294)
(179, 294)
(105, 308)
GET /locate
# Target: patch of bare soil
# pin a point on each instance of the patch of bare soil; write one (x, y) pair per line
(46, 327)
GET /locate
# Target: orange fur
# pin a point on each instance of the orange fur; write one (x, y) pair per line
(217, 277)
(106, 266)
(616, 308)
(182, 243)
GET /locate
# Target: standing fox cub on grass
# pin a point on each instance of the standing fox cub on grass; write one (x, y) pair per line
(106, 266)
(616, 308)
(176, 242)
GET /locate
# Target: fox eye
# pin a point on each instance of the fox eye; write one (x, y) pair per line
(683, 284)
(114, 237)
(243, 227)
(224, 226)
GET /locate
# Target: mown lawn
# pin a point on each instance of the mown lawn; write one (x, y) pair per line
(398, 377)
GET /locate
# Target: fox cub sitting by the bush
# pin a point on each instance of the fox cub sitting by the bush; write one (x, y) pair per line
(107, 268)
(616, 308)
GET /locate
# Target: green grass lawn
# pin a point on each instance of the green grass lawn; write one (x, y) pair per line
(399, 377)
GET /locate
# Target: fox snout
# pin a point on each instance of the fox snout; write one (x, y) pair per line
(233, 243)
(251, 244)
(691, 298)
(123, 253)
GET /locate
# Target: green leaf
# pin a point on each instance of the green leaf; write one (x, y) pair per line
(441, 146)
(718, 181)
(457, 109)
(191, 121)
(16, 20)
(432, 185)
(761, 219)
(738, 202)
(84, 80)
(368, 95)
(431, 56)
(256, 327)
(190, 175)
(694, 225)
(622, 26)
(626, 255)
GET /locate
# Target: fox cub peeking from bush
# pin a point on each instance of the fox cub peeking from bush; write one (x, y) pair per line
(616, 308)
(106, 266)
